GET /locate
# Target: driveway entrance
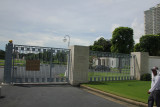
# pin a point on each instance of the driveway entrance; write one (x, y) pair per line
(52, 96)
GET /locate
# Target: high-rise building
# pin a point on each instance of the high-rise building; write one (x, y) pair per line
(152, 20)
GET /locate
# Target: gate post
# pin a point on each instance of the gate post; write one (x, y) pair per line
(8, 63)
(79, 64)
(140, 64)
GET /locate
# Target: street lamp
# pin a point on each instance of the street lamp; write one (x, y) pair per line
(65, 39)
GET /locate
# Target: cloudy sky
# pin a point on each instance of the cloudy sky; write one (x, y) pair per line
(46, 22)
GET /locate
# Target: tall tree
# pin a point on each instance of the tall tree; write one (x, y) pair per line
(151, 44)
(122, 40)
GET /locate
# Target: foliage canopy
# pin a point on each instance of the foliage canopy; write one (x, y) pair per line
(137, 47)
(151, 44)
(2, 54)
(122, 40)
(101, 45)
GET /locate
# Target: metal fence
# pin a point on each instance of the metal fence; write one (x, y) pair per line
(106, 66)
(34, 64)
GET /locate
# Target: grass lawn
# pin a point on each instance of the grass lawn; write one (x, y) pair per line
(61, 75)
(1, 60)
(136, 90)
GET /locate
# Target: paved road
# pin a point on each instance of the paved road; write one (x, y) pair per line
(52, 96)
(1, 74)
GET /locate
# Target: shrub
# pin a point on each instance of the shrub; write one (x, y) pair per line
(146, 77)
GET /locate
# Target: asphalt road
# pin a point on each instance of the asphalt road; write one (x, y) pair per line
(52, 96)
(1, 74)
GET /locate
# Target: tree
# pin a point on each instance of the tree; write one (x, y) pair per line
(150, 43)
(101, 45)
(122, 40)
(61, 57)
(137, 48)
(96, 48)
(2, 54)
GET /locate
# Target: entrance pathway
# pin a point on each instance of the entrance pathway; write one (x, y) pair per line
(51, 96)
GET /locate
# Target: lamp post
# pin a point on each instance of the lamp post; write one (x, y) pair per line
(65, 39)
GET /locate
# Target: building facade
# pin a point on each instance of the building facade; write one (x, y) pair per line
(112, 62)
(152, 20)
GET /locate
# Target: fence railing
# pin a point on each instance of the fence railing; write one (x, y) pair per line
(105, 66)
(34, 64)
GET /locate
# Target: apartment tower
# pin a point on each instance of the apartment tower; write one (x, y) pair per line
(152, 20)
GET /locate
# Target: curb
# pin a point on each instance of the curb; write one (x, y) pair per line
(116, 97)
(52, 83)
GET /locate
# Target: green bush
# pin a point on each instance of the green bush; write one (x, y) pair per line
(146, 77)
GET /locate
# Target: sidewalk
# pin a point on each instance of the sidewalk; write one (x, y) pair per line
(95, 91)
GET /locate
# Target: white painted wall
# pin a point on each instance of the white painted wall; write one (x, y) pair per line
(111, 62)
(153, 61)
(143, 63)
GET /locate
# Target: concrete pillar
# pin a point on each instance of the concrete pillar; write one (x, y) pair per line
(8, 63)
(79, 64)
(140, 63)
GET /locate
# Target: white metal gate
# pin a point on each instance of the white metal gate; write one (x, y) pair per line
(34, 64)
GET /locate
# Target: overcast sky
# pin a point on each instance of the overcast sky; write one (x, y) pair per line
(46, 22)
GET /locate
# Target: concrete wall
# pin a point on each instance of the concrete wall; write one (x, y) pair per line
(153, 61)
(111, 61)
(79, 65)
(143, 63)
